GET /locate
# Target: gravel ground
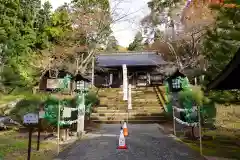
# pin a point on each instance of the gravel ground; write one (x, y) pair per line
(145, 141)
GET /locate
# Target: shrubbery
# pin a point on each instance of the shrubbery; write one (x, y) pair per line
(30, 104)
(225, 96)
(196, 97)
(51, 105)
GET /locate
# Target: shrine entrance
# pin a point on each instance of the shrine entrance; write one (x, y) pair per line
(142, 68)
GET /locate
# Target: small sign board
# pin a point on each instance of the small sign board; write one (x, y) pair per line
(30, 118)
(56, 83)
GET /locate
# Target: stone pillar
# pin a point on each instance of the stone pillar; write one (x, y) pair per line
(81, 116)
(110, 79)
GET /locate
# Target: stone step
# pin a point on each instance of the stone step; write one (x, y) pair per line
(137, 109)
(110, 104)
(150, 98)
(141, 92)
(146, 107)
(108, 111)
(101, 108)
(106, 100)
(146, 104)
(125, 114)
(150, 111)
(125, 103)
(145, 110)
(113, 104)
(120, 92)
(144, 99)
(130, 121)
(102, 105)
(120, 118)
(109, 89)
(120, 97)
(133, 105)
(132, 111)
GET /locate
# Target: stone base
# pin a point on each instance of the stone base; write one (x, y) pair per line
(81, 134)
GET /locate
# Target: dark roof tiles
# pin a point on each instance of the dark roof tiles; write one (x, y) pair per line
(130, 59)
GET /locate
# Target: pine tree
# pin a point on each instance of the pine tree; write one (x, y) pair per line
(112, 44)
(137, 44)
(222, 40)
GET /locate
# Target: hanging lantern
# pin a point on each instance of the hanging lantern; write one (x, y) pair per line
(53, 73)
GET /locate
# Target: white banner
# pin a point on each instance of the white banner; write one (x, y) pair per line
(129, 96)
(125, 82)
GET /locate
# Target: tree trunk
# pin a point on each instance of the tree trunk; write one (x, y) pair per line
(93, 71)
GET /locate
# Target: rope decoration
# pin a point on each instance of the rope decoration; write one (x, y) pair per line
(185, 110)
(185, 123)
(67, 122)
(188, 116)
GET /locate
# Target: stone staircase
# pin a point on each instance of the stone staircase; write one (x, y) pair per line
(112, 109)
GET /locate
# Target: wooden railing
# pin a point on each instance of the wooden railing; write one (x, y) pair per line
(160, 95)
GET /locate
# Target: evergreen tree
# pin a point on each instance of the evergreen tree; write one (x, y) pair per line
(223, 40)
(137, 44)
(18, 37)
(112, 44)
(26, 28)
(31, 35)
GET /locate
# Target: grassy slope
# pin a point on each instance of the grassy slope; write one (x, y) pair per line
(4, 99)
(224, 137)
(14, 148)
(8, 98)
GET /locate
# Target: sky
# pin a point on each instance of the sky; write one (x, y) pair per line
(132, 11)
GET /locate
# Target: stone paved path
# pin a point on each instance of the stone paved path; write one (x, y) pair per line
(145, 142)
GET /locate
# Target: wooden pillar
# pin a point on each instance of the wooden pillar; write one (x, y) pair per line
(120, 75)
(149, 78)
(133, 79)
